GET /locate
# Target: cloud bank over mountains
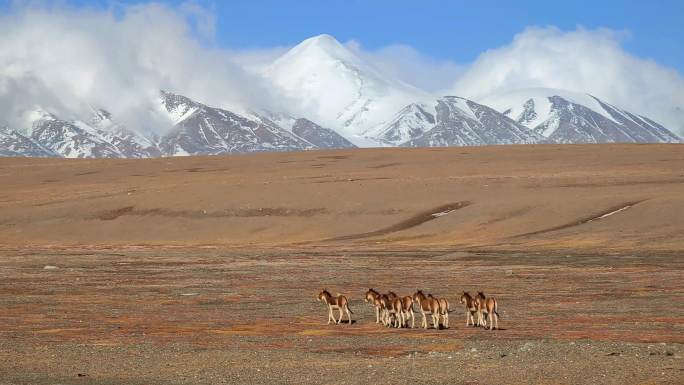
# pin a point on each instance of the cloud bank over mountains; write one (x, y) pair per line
(70, 60)
(591, 61)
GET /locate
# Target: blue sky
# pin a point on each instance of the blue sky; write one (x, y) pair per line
(453, 30)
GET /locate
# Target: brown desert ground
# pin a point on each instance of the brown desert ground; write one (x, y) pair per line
(205, 270)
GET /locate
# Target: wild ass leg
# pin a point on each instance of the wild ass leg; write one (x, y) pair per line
(468, 315)
(330, 315)
(340, 320)
(377, 315)
(346, 309)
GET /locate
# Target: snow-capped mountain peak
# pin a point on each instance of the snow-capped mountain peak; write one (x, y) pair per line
(320, 48)
(337, 87)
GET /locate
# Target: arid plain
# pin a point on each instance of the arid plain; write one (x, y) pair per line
(206, 269)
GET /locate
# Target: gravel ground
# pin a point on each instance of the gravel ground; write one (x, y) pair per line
(475, 362)
(199, 316)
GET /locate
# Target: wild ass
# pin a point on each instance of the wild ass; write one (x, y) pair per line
(443, 310)
(372, 297)
(471, 309)
(338, 302)
(486, 306)
(407, 311)
(427, 305)
(390, 307)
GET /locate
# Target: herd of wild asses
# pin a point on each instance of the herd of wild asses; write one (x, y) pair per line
(394, 311)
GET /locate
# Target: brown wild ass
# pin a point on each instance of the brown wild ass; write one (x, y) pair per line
(407, 311)
(427, 305)
(338, 302)
(383, 302)
(389, 309)
(471, 309)
(443, 310)
(372, 297)
(486, 306)
(398, 312)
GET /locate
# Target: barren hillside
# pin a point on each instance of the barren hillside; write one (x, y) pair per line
(578, 198)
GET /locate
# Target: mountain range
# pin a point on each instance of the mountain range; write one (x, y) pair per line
(351, 104)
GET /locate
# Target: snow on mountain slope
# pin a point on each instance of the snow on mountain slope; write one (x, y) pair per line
(70, 139)
(45, 134)
(462, 122)
(567, 117)
(409, 123)
(303, 128)
(641, 129)
(129, 143)
(341, 90)
(12, 143)
(204, 130)
(320, 137)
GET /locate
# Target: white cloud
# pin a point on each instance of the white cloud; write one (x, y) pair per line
(66, 59)
(591, 61)
(411, 66)
(256, 60)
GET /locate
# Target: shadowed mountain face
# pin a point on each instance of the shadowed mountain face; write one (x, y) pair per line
(13, 143)
(71, 139)
(203, 130)
(567, 117)
(319, 136)
(462, 122)
(50, 136)
(128, 143)
(570, 122)
(197, 129)
(639, 128)
(409, 123)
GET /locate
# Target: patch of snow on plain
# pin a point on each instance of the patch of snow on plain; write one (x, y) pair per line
(613, 212)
